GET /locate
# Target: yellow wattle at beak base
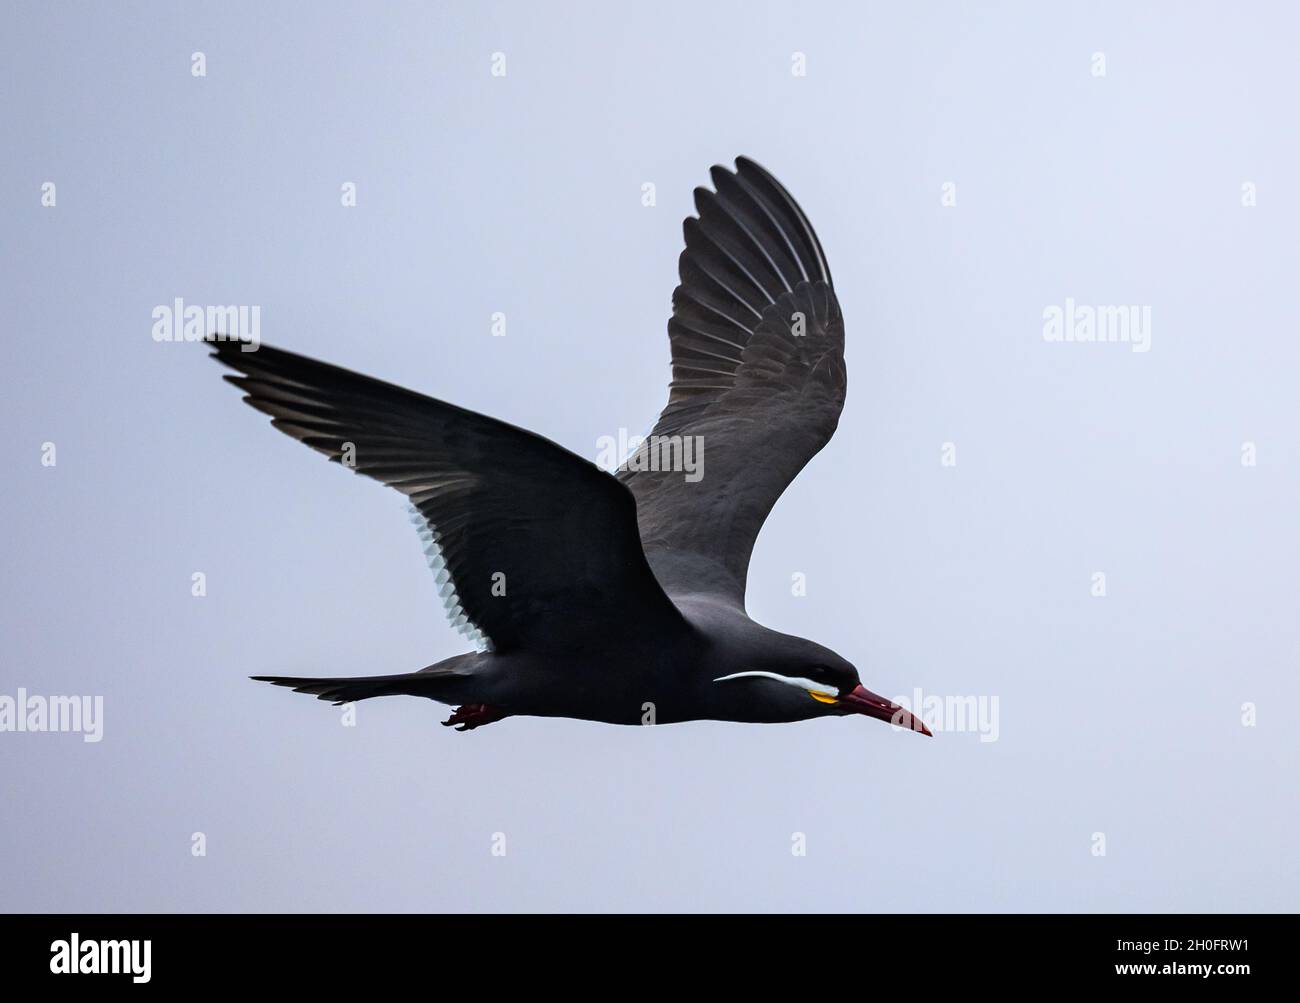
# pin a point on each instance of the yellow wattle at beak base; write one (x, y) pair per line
(822, 697)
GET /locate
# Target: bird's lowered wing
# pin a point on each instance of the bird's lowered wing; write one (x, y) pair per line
(536, 548)
(758, 382)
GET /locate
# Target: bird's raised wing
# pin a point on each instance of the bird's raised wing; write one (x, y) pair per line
(535, 548)
(758, 382)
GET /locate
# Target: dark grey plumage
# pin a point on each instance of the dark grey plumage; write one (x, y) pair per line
(762, 398)
(603, 598)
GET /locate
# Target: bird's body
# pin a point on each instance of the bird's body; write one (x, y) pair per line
(618, 600)
(625, 680)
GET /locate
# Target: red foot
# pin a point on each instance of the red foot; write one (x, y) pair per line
(473, 715)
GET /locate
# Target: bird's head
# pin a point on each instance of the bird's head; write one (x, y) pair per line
(804, 680)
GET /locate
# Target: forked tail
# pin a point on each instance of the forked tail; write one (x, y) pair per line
(346, 690)
(445, 682)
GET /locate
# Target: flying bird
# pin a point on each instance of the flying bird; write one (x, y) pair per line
(615, 598)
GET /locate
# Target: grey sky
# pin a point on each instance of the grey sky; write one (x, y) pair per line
(1119, 715)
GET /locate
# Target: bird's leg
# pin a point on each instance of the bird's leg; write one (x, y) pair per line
(473, 715)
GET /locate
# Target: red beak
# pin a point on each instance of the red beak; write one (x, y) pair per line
(863, 701)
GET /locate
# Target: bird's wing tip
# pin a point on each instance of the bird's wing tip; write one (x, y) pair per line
(224, 348)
